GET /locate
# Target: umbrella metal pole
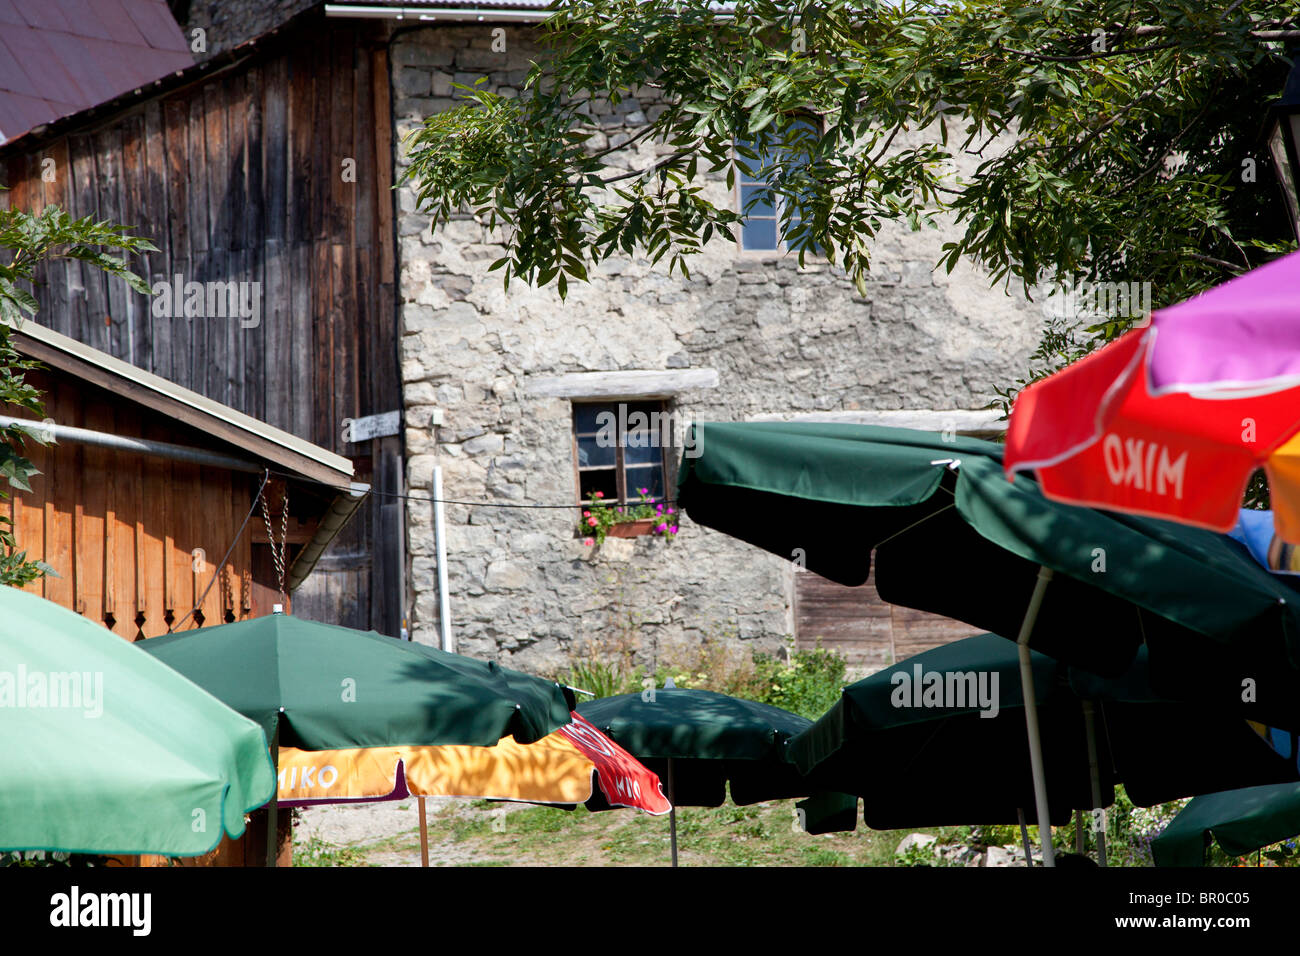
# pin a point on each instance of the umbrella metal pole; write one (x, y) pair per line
(672, 811)
(1094, 774)
(424, 835)
(271, 822)
(1024, 837)
(1031, 716)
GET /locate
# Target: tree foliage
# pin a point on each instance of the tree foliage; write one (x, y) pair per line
(1115, 140)
(26, 240)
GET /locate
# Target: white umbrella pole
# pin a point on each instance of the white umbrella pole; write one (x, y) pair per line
(1090, 726)
(1031, 716)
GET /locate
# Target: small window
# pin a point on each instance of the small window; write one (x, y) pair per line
(620, 448)
(763, 211)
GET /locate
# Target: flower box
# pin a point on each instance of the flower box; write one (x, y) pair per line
(631, 529)
(633, 519)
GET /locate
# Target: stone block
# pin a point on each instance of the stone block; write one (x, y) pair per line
(485, 445)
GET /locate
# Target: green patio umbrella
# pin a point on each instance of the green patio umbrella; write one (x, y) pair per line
(951, 535)
(105, 750)
(699, 741)
(939, 739)
(320, 687)
(1240, 820)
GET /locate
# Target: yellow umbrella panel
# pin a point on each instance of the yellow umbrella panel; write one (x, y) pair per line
(562, 768)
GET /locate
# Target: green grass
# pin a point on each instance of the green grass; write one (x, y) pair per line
(758, 835)
(316, 852)
(478, 833)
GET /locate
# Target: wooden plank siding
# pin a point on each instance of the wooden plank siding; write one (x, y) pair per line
(237, 177)
(866, 631)
(120, 529)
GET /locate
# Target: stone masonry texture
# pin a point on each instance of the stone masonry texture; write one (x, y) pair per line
(524, 588)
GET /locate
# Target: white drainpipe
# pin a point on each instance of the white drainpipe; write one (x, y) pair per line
(440, 543)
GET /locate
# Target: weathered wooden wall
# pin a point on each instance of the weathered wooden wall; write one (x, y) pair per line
(239, 176)
(121, 530)
(855, 622)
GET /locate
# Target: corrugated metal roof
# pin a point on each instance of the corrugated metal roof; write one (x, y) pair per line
(58, 57)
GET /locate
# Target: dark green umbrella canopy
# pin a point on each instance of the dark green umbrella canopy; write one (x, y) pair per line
(701, 724)
(951, 535)
(939, 761)
(1242, 821)
(333, 688)
(1163, 749)
(713, 740)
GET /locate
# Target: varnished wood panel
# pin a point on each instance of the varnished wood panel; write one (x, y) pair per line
(120, 529)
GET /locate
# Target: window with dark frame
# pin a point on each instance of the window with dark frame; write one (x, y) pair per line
(761, 230)
(620, 448)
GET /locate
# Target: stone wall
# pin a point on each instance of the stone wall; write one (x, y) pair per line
(783, 340)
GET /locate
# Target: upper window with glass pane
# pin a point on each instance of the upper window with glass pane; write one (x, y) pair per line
(763, 210)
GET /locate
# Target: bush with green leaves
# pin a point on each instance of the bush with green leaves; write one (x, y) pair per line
(809, 683)
(601, 678)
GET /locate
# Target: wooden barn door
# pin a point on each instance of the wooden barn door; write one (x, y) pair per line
(856, 623)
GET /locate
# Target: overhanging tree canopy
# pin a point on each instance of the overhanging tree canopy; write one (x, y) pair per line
(1116, 139)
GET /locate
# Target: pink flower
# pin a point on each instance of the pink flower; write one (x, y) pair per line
(589, 541)
(644, 491)
(599, 494)
(671, 511)
(586, 514)
(661, 528)
(591, 522)
(660, 509)
(673, 529)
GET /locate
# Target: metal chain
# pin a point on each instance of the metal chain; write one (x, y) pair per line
(284, 539)
(277, 553)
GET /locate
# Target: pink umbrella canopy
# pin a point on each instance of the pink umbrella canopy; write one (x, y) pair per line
(1242, 334)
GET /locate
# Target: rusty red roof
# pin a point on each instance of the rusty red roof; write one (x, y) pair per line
(58, 57)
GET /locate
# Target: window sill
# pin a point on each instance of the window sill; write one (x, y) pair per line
(780, 255)
(622, 385)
